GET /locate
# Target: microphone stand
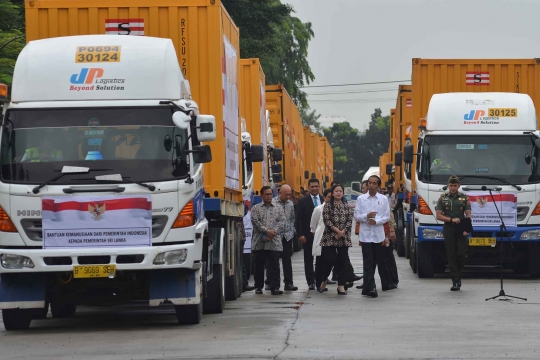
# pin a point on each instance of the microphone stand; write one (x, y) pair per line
(503, 230)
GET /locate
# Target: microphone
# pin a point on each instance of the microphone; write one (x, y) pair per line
(484, 188)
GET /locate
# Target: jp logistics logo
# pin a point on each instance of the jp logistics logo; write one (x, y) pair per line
(474, 115)
(92, 79)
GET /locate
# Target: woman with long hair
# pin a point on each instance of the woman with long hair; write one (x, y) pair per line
(336, 240)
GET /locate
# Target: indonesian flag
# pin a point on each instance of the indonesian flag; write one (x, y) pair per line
(477, 77)
(484, 212)
(124, 27)
(97, 221)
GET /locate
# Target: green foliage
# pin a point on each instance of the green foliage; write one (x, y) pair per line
(279, 40)
(355, 153)
(11, 37)
(310, 118)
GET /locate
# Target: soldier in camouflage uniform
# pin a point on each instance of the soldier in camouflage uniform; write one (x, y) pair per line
(451, 208)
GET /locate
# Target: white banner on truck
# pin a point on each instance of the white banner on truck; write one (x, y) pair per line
(230, 115)
(97, 221)
(483, 209)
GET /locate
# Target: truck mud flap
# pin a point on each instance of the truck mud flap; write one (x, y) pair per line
(22, 291)
(179, 286)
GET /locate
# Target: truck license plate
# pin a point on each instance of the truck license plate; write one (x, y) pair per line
(482, 241)
(94, 271)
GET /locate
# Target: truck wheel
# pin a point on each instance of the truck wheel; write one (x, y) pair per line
(188, 314)
(408, 243)
(17, 319)
(400, 241)
(41, 313)
(534, 260)
(214, 303)
(424, 260)
(63, 310)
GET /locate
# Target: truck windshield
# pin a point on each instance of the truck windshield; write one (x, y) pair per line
(138, 143)
(507, 157)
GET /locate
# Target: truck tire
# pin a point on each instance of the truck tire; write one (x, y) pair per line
(41, 313)
(424, 259)
(188, 314)
(534, 260)
(239, 269)
(408, 242)
(63, 310)
(400, 241)
(214, 302)
(412, 255)
(17, 319)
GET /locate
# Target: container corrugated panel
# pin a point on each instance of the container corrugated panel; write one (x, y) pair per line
(436, 76)
(298, 152)
(307, 155)
(253, 110)
(197, 28)
(314, 154)
(322, 162)
(393, 126)
(403, 121)
(329, 163)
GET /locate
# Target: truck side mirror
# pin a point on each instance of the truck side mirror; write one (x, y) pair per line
(408, 154)
(277, 178)
(256, 153)
(389, 168)
(206, 128)
(276, 168)
(201, 154)
(277, 154)
(398, 158)
(306, 175)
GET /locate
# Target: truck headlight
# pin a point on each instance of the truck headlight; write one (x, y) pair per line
(173, 257)
(530, 235)
(10, 261)
(432, 234)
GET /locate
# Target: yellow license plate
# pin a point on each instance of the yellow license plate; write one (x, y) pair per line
(94, 271)
(503, 112)
(96, 54)
(482, 241)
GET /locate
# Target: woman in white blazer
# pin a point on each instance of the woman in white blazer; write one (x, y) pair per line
(317, 228)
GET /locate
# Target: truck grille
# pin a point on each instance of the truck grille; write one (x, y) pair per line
(33, 228)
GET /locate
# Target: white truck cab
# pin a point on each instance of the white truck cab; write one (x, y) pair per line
(487, 139)
(98, 120)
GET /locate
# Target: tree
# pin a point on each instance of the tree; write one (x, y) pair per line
(11, 37)
(279, 40)
(309, 118)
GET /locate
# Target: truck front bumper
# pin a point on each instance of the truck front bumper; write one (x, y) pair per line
(434, 233)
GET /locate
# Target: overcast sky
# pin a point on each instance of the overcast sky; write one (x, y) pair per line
(358, 41)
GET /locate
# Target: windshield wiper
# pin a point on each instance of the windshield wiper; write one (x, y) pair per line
(65, 171)
(124, 181)
(504, 181)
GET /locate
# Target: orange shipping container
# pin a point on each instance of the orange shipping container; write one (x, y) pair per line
(253, 110)
(402, 123)
(207, 46)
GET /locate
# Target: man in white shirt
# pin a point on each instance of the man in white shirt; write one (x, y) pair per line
(372, 211)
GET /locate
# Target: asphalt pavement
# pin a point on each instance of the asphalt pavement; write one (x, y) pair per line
(421, 319)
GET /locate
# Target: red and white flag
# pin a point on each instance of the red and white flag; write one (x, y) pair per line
(484, 212)
(477, 77)
(409, 103)
(97, 221)
(124, 27)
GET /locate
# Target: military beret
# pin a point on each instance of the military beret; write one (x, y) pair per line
(454, 180)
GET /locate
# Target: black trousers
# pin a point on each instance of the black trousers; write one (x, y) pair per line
(336, 258)
(349, 272)
(319, 265)
(308, 260)
(373, 256)
(271, 260)
(390, 262)
(456, 246)
(246, 262)
(286, 261)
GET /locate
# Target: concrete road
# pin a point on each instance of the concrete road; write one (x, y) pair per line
(422, 319)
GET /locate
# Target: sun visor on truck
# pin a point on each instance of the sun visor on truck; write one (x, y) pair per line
(97, 67)
(481, 111)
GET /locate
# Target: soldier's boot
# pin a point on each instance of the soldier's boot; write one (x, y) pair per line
(455, 286)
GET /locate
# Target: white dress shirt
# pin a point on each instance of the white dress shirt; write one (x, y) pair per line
(317, 228)
(366, 204)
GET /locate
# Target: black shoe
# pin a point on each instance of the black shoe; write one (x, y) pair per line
(277, 292)
(322, 290)
(360, 286)
(267, 287)
(330, 282)
(372, 293)
(312, 287)
(357, 278)
(290, 287)
(341, 292)
(348, 285)
(459, 283)
(391, 287)
(258, 291)
(455, 286)
(249, 288)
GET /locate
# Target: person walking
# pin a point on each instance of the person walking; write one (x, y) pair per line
(372, 211)
(305, 208)
(451, 208)
(336, 239)
(283, 200)
(317, 229)
(268, 222)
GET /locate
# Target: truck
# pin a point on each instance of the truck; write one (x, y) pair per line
(356, 186)
(197, 209)
(491, 141)
(439, 76)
